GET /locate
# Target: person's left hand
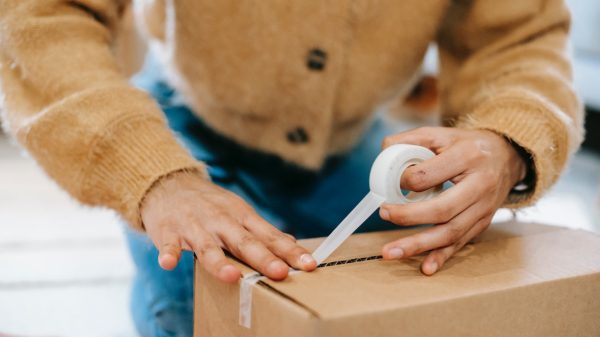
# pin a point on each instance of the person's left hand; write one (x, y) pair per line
(484, 167)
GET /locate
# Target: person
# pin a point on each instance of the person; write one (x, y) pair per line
(270, 124)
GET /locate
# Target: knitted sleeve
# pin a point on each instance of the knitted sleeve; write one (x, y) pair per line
(505, 68)
(65, 100)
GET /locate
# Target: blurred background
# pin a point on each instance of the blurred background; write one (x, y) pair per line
(65, 270)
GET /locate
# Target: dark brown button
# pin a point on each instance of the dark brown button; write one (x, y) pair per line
(297, 136)
(316, 59)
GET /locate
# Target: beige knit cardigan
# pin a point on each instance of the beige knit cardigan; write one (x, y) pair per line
(296, 78)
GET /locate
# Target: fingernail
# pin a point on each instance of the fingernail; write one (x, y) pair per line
(307, 259)
(385, 214)
(396, 253)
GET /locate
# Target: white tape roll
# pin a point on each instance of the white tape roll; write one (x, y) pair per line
(388, 168)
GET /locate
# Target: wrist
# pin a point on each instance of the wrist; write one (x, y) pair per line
(516, 159)
(522, 167)
(167, 185)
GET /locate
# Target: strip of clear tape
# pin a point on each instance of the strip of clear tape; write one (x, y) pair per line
(246, 285)
(369, 204)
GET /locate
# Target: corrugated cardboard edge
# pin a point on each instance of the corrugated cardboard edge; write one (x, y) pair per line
(219, 301)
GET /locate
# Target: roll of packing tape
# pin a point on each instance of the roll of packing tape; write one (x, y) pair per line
(387, 171)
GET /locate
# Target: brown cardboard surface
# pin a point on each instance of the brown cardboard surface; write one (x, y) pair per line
(516, 279)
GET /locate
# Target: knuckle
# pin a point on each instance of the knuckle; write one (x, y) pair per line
(231, 197)
(426, 130)
(482, 149)
(456, 247)
(453, 234)
(460, 243)
(488, 214)
(397, 214)
(485, 226)
(249, 214)
(447, 213)
(238, 246)
(472, 155)
(443, 213)
(489, 179)
(387, 141)
(219, 215)
(169, 246)
(245, 241)
(205, 248)
(275, 238)
(448, 242)
(489, 175)
(270, 236)
(415, 247)
(441, 255)
(473, 149)
(475, 144)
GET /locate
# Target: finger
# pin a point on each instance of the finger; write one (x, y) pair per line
(245, 246)
(437, 258)
(434, 237)
(435, 171)
(439, 209)
(433, 138)
(280, 244)
(211, 257)
(293, 238)
(169, 250)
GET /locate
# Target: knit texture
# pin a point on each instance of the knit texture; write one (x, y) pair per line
(248, 70)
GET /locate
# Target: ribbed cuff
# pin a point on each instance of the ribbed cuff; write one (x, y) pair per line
(532, 127)
(130, 159)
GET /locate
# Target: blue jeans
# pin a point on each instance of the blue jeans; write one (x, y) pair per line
(305, 204)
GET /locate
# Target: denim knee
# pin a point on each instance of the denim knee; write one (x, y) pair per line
(162, 301)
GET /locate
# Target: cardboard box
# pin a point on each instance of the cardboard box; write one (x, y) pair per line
(515, 280)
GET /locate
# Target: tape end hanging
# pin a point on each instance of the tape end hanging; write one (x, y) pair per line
(246, 284)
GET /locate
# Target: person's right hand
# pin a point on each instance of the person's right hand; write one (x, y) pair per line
(185, 211)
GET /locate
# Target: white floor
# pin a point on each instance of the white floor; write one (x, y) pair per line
(65, 270)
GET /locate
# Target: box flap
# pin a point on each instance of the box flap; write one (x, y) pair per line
(508, 255)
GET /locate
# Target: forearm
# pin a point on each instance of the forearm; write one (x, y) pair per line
(511, 74)
(67, 103)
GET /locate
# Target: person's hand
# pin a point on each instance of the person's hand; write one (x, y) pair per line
(484, 167)
(184, 211)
